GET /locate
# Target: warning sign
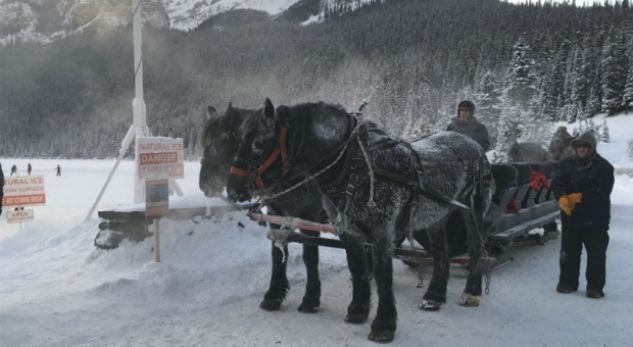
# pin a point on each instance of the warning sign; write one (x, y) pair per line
(156, 198)
(21, 215)
(160, 157)
(24, 190)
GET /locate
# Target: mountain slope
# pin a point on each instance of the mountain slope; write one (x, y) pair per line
(45, 21)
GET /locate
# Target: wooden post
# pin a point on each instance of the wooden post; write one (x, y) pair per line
(157, 240)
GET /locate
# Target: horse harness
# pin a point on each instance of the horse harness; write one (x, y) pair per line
(360, 133)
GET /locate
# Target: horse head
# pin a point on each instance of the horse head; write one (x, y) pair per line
(256, 140)
(220, 140)
(304, 134)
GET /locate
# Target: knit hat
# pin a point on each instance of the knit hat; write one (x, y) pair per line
(467, 104)
(586, 138)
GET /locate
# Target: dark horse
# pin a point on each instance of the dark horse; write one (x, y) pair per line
(221, 138)
(374, 189)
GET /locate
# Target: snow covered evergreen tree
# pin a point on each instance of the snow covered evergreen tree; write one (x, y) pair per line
(595, 99)
(614, 73)
(488, 101)
(520, 116)
(627, 98)
(554, 80)
(509, 132)
(605, 136)
(520, 78)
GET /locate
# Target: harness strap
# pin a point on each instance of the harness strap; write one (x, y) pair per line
(283, 146)
(234, 170)
(269, 161)
(280, 150)
(429, 192)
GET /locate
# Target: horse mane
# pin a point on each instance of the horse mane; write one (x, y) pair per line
(299, 119)
(230, 119)
(295, 114)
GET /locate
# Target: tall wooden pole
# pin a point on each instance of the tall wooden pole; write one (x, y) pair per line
(138, 104)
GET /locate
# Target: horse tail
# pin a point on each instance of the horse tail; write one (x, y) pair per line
(481, 198)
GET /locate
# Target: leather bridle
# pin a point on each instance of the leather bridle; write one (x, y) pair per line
(255, 175)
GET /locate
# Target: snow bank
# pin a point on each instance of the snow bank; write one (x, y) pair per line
(56, 289)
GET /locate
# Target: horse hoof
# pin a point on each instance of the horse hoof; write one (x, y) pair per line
(469, 300)
(356, 318)
(381, 336)
(308, 308)
(430, 305)
(270, 304)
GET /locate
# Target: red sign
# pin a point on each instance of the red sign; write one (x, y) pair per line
(24, 200)
(24, 190)
(160, 158)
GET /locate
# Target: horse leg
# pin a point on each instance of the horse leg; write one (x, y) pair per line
(358, 309)
(476, 235)
(472, 292)
(278, 281)
(435, 294)
(311, 299)
(384, 325)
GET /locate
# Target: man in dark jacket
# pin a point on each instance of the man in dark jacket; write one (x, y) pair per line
(582, 184)
(465, 123)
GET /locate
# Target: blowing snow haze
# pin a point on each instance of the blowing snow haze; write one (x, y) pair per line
(66, 65)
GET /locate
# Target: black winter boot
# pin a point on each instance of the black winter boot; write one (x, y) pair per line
(564, 289)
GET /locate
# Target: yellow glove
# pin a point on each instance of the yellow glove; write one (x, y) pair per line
(575, 198)
(565, 205)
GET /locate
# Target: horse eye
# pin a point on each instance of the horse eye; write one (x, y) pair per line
(257, 144)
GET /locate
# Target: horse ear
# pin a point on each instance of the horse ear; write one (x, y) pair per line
(211, 110)
(230, 106)
(269, 110)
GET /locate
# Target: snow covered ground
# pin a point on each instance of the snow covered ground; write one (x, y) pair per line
(56, 289)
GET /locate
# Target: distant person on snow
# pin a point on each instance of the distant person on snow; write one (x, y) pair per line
(29, 168)
(465, 123)
(1, 187)
(583, 183)
(59, 170)
(14, 170)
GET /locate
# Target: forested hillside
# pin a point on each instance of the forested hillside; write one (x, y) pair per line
(412, 60)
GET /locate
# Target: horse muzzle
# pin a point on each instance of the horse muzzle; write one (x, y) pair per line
(237, 189)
